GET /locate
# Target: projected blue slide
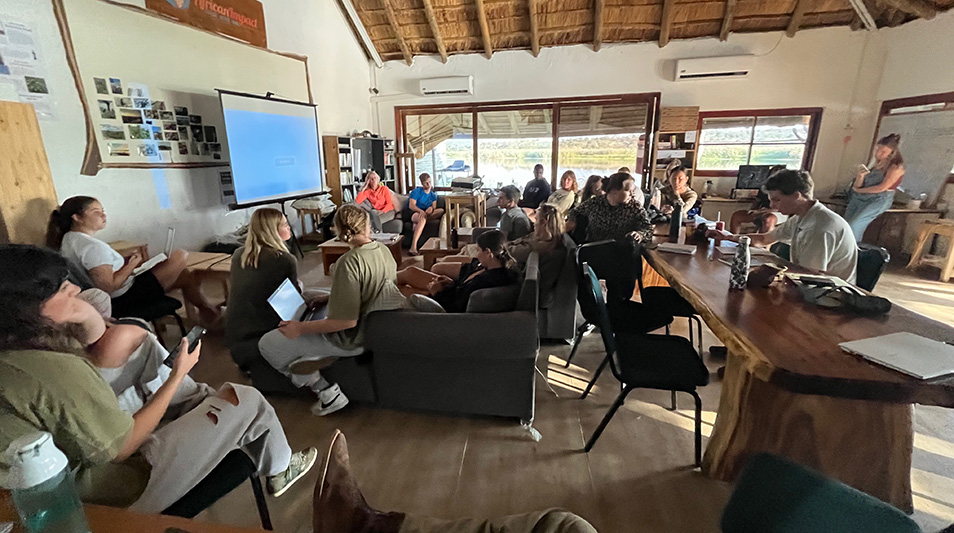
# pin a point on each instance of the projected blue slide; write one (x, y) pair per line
(272, 155)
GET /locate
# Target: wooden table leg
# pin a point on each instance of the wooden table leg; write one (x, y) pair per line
(923, 236)
(865, 444)
(326, 260)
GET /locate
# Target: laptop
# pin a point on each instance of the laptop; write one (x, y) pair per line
(289, 305)
(170, 238)
(907, 353)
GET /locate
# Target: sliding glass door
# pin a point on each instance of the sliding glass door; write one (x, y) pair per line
(600, 139)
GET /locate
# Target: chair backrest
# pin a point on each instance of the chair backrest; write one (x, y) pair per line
(872, 261)
(614, 263)
(782, 250)
(591, 292)
(773, 495)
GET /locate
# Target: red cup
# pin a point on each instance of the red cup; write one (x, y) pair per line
(720, 225)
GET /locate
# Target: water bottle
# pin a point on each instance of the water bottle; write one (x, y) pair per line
(740, 265)
(42, 486)
(708, 190)
(675, 222)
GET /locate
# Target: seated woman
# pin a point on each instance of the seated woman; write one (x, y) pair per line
(566, 197)
(593, 187)
(375, 198)
(122, 456)
(422, 204)
(363, 281)
(71, 231)
(677, 191)
(258, 268)
(491, 268)
(616, 215)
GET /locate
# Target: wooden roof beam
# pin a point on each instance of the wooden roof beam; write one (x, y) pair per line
(727, 20)
(514, 121)
(801, 7)
(915, 7)
(598, 24)
(534, 28)
(596, 113)
(665, 24)
(396, 29)
(863, 13)
(435, 29)
(484, 28)
(484, 126)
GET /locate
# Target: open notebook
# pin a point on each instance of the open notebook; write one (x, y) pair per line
(908, 353)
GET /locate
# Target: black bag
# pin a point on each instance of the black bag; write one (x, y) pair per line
(845, 298)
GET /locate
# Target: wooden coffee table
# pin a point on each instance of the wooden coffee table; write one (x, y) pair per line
(333, 249)
(434, 249)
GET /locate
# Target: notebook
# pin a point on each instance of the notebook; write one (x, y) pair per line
(153, 261)
(907, 353)
(289, 305)
(687, 249)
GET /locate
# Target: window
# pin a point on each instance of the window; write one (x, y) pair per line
(780, 137)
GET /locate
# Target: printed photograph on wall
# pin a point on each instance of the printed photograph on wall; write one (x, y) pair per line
(183, 148)
(195, 119)
(216, 156)
(148, 150)
(172, 136)
(169, 126)
(165, 147)
(195, 148)
(139, 132)
(182, 120)
(101, 87)
(112, 132)
(180, 110)
(117, 87)
(122, 101)
(157, 133)
(131, 116)
(183, 132)
(215, 147)
(167, 115)
(106, 109)
(117, 149)
(141, 103)
(210, 135)
(151, 114)
(197, 134)
(36, 85)
(158, 105)
(204, 149)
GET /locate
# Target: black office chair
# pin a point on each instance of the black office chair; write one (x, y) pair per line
(670, 301)
(231, 472)
(782, 250)
(612, 262)
(645, 361)
(155, 311)
(872, 260)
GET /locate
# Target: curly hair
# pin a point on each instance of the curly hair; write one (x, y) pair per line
(31, 276)
(572, 175)
(351, 220)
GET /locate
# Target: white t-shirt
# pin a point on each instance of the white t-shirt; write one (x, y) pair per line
(821, 240)
(91, 253)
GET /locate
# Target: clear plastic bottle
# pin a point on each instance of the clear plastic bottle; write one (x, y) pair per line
(42, 486)
(740, 265)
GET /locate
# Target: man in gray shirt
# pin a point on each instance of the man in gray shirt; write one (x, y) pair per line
(514, 222)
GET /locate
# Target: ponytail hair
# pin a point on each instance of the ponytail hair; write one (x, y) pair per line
(493, 240)
(351, 220)
(61, 219)
(893, 141)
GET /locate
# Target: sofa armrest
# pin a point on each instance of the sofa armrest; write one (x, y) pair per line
(453, 335)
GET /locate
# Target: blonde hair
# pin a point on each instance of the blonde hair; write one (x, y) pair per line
(351, 220)
(551, 230)
(570, 174)
(263, 234)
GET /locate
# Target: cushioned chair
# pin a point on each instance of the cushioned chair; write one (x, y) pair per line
(637, 360)
(872, 260)
(613, 263)
(773, 495)
(402, 221)
(232, 471)
(782, 250)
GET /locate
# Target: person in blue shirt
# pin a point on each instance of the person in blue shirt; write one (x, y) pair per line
(423, 207)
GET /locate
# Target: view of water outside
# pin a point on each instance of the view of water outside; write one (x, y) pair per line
(511, 161)
(728, 142)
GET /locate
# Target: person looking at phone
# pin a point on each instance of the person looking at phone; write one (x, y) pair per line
(872, 192)
(820, 239)
(71, 231)
(363, 281)
(56, 350)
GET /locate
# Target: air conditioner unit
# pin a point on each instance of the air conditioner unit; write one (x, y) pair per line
(707, 68)
(449, 85)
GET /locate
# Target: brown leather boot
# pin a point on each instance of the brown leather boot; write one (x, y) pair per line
(339, 506)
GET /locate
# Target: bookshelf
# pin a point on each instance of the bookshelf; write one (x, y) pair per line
(348, 159)
(676, 139)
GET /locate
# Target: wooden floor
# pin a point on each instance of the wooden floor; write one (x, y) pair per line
(638, 477)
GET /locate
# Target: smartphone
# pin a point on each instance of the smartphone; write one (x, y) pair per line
(192, 338)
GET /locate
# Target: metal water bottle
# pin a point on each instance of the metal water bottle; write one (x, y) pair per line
(740, 265)
(675, 222)
(42, 486)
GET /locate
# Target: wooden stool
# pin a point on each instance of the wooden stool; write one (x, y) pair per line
(940, 228)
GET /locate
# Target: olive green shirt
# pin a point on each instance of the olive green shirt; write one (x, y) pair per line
(64, 395)
(364, 281)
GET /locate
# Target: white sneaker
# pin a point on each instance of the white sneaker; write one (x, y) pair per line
(329, 401)
(298, 466)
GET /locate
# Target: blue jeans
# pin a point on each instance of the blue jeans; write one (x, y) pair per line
(863, 208)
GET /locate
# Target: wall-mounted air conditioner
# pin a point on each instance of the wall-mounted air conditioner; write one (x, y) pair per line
(447, 86)
(707, 68)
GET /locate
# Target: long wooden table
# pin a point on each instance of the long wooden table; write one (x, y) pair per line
(789, 389)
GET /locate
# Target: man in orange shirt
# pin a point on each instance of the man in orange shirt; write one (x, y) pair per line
(376, 198)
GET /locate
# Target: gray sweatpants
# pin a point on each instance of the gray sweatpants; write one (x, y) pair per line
(282, 352)
(550, 521)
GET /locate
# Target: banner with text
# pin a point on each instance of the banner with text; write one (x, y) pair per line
(242, 19)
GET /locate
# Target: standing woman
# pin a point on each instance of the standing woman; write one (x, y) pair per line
(565, 198)
(873, 190)
(71, 231)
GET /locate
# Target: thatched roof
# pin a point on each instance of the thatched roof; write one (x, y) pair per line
(401, 29)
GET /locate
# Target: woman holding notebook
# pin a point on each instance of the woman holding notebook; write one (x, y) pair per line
(71, 231)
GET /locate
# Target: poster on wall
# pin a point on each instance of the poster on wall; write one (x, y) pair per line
(21, 67)
(242, 19)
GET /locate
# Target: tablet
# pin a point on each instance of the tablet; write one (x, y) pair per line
(287, 302)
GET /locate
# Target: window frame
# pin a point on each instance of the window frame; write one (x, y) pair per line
(808, 156)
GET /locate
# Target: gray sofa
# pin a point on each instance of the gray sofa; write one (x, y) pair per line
(559, 312)
(402, 221)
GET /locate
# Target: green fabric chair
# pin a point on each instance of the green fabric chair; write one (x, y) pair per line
(774, 495)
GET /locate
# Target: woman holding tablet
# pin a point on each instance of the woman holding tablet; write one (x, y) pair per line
(71, 231)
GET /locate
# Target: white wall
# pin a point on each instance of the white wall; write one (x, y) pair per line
(919, 58)
(816, 68)
(339, 80)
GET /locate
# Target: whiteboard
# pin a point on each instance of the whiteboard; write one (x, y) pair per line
(180, 67)
(927, 145)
